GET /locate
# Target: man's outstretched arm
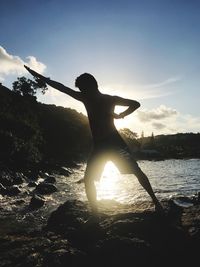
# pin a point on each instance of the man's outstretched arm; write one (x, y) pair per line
(132, 106)
(59, 86)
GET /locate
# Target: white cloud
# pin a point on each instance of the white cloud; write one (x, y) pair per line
(11, 64)
(162, 112)
(163, 120)
(158, 125)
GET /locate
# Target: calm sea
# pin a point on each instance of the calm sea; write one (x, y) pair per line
(168, 178)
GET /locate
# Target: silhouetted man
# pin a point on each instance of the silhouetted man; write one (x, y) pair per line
(107, 143)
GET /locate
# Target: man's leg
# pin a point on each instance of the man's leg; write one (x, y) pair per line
(93, 173)
(144, 181)
(128, 165)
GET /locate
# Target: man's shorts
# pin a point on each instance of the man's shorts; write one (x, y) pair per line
(117, 152)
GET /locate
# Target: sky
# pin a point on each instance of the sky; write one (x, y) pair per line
(146, 50)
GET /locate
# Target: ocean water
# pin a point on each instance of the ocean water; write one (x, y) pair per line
(169, 178)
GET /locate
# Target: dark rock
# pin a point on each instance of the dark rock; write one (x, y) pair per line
(6, 178)
(64, 257)
(36, 202)
(9, 178)
(43, 174)
(63, 171)
(32, 184)
(3, 190)
(198, 197)
(45, 188)
(80, 181)
(13, 190)
(33, 175)
(10, 190)
(122, 251)
(50, 180)
(19, 178)
(69, 216)
(122, 237)
(33, 260)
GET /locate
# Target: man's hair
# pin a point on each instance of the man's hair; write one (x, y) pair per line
(86, 80)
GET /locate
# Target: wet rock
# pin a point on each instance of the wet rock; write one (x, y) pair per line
(9, 178)
(45, 188)
(6, 178)
(50, 180)
(43, 174)
(33, 260)
(198, 197)
(69, 216)
(13, 190)
(2, 190)
(32, 184)
(63, 171)
(19, 178)
(64, 257)
(32, 175)
(123, 251)
(80, 181)
(10, 190)
(36, 202)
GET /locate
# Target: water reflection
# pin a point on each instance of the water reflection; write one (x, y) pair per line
(113, 185)
(108, 187)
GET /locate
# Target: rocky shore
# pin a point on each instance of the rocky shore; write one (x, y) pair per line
(122, 235)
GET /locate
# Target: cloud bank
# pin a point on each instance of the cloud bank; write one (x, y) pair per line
(162, 112)
(11, 64)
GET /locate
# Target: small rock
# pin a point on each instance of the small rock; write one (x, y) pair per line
(13, 190)
(45, 188)
(36, 202)
(6, 178)
(32, 184)
(19, 178)
(9, 191)
(198, 197)
(80, 181)
(50, 180)
(2, 190)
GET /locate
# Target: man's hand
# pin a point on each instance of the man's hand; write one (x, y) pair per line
(34, 73)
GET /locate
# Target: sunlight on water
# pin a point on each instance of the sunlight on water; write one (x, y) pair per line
(168, 178)
(118, 187)
(108, 186)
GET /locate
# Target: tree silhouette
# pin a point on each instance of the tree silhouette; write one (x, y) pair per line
(27, 87)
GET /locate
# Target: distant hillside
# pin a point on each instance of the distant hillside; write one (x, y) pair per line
(33, 134)
(181, 145)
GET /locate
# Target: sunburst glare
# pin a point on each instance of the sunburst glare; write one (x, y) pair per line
(108, 187)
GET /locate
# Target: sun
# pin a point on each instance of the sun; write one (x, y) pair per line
(108, 186)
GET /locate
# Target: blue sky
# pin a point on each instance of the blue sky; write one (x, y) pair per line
(145, 50)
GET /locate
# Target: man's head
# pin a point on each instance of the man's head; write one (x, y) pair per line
(86, 83)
